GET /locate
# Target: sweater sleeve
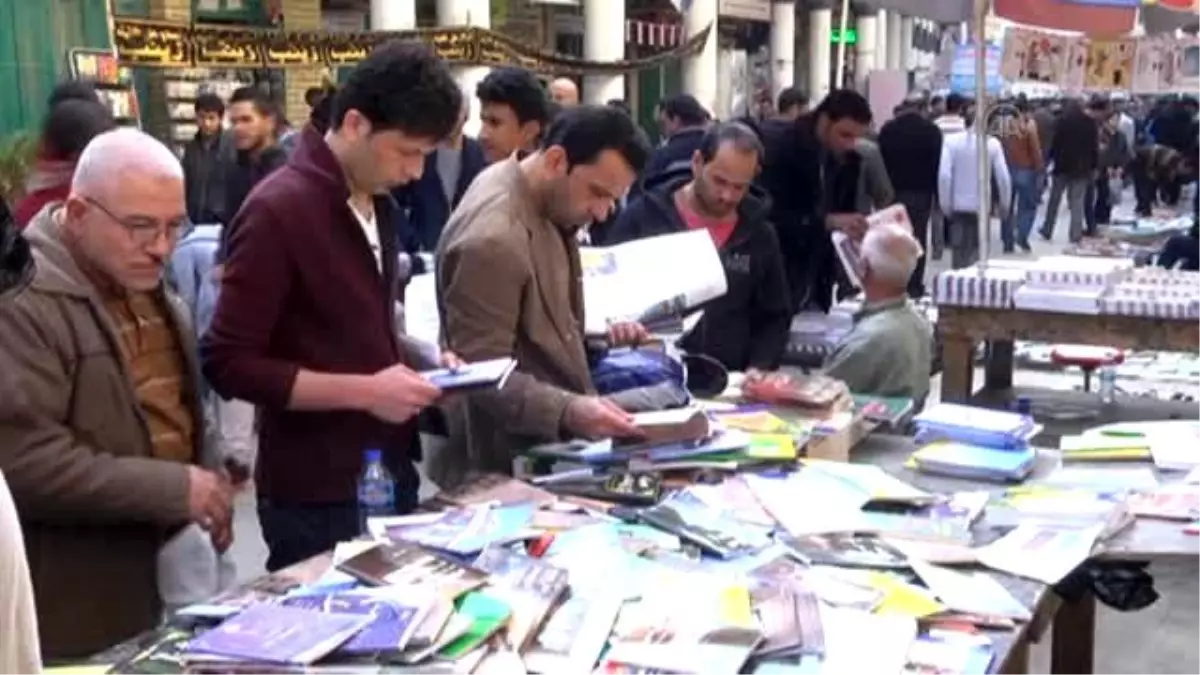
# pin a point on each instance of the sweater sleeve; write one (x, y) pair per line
(255, 283)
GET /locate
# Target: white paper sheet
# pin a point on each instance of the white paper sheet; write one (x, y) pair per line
(971, 592)
(1044, 551)
(623, 282)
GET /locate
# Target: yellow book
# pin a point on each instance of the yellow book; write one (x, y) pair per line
(735, 606)
(758, 422)
(771, 446)
(903, 599)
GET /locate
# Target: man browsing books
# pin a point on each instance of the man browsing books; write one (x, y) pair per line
(510, 284)
(747, 327)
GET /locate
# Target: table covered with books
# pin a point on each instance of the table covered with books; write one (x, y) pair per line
(941, 552)
(1105, 302)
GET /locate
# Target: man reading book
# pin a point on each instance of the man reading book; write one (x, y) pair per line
(510, 284)
(888, 351)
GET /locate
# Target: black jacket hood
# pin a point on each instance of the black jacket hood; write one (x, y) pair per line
(660, 189)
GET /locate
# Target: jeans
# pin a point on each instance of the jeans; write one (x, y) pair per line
(963, 238)
(1026, 188)
(1076, 189)
(919, 206)
(296, 532)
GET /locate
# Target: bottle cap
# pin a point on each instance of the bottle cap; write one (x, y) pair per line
(373, 455)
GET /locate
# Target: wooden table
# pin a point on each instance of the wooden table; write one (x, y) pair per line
(961, 328)
(1073, 623)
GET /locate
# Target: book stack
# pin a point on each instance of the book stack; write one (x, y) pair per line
(994, 286)
(975, 443)
(1070, 284)
(1155, 292)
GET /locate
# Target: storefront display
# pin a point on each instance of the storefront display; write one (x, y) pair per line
(113, 82)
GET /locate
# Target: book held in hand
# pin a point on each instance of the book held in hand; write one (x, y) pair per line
(492, 374)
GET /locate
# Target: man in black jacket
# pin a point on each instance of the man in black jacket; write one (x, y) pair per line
(204, 160)
(911, 146)
(747, 328)
(682, 120)
(811, 173)
(1076, 156)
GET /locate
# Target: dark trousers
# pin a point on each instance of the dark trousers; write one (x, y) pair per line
(1097, 204)
(1145, 189)
(920, 206)
(296, 532)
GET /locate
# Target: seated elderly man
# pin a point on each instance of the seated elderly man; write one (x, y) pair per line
(888, 351)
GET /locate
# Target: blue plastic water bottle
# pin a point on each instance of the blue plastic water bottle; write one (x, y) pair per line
(376, 489)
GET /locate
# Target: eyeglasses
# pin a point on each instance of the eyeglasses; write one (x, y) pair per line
(142, 230)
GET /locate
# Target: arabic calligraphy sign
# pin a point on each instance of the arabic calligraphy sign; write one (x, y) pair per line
(159, 44)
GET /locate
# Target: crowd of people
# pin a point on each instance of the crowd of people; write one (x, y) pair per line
(175, 329)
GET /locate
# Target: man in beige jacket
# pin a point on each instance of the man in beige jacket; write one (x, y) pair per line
(100, 430)
(509, 283)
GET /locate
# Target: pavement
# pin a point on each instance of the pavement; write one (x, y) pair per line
(1162, 638)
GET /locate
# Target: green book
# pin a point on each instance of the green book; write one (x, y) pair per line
(892, 410)
(487, 613)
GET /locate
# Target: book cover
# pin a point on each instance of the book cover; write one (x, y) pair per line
(495, 488)
(468, 530)
(662, 427)
(276, 634)
(403, 564)
(487, 614)
(492, 374)
(845, 549)
(949, 653)
(391, 621)
(689, 518)
(531, 587)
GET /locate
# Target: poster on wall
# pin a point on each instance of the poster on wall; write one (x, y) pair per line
(1150, 66)
(1033, 57)
(1110, 64)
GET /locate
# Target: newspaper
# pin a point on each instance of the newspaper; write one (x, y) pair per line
(848, 249)
(649, 280)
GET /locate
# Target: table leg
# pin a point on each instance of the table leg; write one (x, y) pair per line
(958, 371)
(1073, 641)
(1017, 662)
(998, 370)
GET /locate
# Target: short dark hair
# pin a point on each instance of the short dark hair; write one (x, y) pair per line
(585, 131)
(840, 104)
(312, 95)
(255, 96)
(71, 125)
(209, 102)
(956, 104)
(737, 134)
(935, 100)
(321, 114)
(518, 89)
(685, 108)
(401, 86)
(619, 104)
(790, 98)
(72, 90)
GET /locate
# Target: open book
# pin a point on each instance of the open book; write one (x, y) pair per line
(654, 280)
(847, 249)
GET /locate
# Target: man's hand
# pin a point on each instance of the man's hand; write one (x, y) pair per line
(210, 499)
(222, 537)
(594, 417)
(398, 393)
(854, 225)
(627, 334)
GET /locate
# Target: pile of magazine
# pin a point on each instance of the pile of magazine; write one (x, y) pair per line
(973, 443)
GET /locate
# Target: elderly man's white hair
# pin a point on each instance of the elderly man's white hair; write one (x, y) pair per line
(891, 251)
(115, 155)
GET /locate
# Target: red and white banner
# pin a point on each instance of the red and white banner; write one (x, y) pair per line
(652, 34)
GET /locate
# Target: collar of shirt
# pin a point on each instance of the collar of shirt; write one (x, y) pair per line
(880, 306)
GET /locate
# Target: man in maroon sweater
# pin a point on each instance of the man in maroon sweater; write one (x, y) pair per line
(304, 326)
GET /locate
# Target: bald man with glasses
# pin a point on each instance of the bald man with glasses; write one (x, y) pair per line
(100, 426)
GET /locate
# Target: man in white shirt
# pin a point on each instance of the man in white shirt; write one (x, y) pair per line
(958, 191)
(949, 120)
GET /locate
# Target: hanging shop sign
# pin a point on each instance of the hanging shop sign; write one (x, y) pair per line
(159, 44)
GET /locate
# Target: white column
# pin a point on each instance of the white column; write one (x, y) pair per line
(700, 70)
(820, 26)
(868, 58)
(725, 93)
(468, 13)
(893, 41)
(393, 14)
(881, 39)
(906, 43)
(783, 46)
(603, 40)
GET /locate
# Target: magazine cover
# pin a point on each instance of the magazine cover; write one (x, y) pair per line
(844, 549)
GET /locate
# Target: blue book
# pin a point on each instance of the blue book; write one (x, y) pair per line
(391, 622)
(976, 426)
(963, 460)
(492, 374)
(948, 652)
(469, 530)
(271, 633)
